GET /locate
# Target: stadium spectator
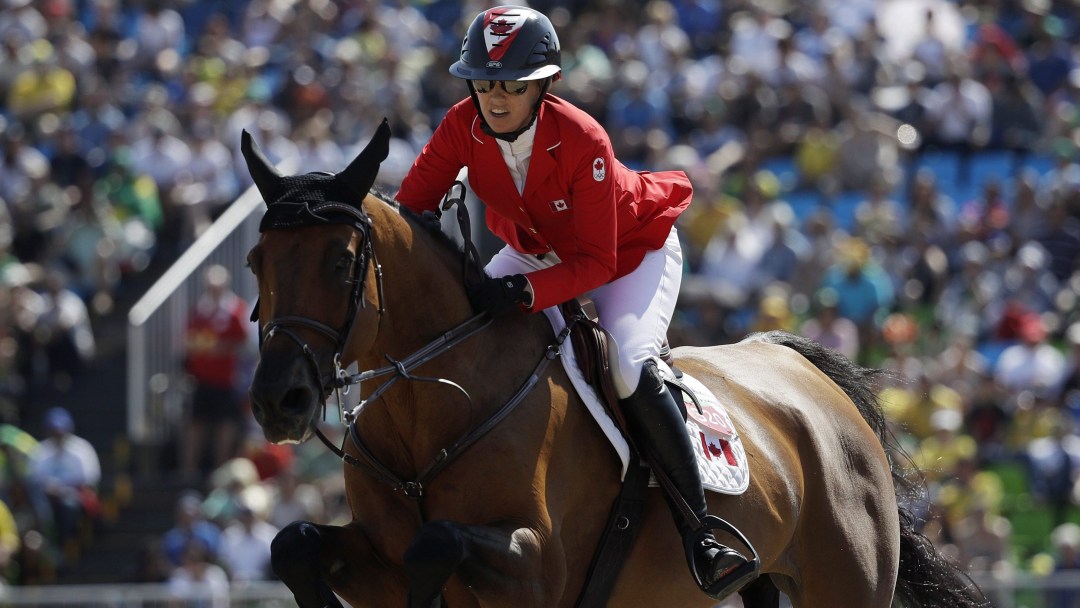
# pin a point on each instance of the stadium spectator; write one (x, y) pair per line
(198, 581)
(1061, 239)
(864, 293)
(245, 546)
(65, 467)
(46, 86)
(216, 344)
(960, 110)
(189, 525)
(234, 485)
(57, 340)
(984, 544)
(1065, 539)
(788, 250)
(206, 184)
(294, 499)
(1016, 118)
(9, 543)
(1031, 364)
(828, 328)
(879, 218)
(1054, 466)
(159, 37)
(931, 50)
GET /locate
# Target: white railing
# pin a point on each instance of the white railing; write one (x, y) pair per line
(1026, 590)
(248, 595)
(1019, 590)
(155, 375)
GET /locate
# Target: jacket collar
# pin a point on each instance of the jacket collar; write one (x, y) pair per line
(546, 142)
(541, 165)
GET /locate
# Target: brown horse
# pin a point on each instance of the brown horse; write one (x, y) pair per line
(475, 475)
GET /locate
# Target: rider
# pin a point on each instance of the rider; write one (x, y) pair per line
(576, 222)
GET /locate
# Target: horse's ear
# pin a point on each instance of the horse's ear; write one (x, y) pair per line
(263, 173)
(359, 176)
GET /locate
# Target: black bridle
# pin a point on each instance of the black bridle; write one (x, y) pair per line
(280, 216)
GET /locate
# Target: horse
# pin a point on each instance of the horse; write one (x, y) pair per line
(475, 476)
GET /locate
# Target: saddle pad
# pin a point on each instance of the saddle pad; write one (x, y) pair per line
(720, 453)
(721, 457)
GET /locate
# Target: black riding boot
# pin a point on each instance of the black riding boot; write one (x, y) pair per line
(657, 426)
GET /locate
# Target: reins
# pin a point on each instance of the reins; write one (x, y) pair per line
(415, 488)
(402, 369)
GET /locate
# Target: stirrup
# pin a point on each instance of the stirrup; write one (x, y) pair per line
(733, 580)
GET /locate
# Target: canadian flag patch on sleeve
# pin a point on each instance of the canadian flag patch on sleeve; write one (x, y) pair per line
(559, 205)
(599, 169)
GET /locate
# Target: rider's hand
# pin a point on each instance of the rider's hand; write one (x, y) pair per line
(495, 295)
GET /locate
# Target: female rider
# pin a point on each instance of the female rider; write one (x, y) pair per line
(575, 221)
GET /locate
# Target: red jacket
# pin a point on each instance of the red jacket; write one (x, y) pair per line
(599, 217)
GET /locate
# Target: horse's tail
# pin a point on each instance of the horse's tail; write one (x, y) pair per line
(925, 579)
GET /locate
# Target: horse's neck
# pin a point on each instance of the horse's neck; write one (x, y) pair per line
(423, 299)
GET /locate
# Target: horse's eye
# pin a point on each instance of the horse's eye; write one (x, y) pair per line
(344, 263)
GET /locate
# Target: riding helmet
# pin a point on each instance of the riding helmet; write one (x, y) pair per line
(509, 43)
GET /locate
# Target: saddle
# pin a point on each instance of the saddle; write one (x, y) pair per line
(591, 347)
(590, 342)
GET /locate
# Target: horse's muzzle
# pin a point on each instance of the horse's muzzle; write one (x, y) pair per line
(284, 404)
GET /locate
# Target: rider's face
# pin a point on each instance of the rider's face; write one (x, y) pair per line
(506, 113)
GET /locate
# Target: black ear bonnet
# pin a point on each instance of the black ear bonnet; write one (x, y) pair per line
(316, 198)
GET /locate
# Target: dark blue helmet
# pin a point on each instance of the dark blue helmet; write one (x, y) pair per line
(509, 43)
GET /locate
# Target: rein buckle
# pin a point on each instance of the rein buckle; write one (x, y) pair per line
(340, 376)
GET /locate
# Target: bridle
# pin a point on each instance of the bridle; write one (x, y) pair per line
(279, 217)
(339, 381)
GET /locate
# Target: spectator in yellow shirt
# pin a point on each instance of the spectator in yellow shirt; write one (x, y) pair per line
(45, 87)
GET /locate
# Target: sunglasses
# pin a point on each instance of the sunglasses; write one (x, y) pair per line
(513, 87)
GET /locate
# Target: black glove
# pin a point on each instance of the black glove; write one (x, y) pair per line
(495, 295)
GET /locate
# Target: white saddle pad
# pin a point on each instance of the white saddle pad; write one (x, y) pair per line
(720, 453)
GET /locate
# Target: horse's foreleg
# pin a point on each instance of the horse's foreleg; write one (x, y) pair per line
(296, 556)
(316, 560)
(499, 565)
(761, 593)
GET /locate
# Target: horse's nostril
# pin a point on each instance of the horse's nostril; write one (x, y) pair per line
(296, 401)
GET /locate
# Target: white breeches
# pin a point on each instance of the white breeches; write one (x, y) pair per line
(635, 309)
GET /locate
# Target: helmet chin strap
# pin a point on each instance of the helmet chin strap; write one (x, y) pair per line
(512, 135)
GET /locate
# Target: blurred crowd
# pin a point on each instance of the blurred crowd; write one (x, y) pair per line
(49, 500)
(898, 180)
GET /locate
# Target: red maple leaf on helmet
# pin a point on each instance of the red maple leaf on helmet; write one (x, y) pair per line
(501, 27)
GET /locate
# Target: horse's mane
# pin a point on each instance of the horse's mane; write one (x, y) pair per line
(433, 229)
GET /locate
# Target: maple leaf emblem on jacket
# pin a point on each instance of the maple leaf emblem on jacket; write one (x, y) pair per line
(599, 169)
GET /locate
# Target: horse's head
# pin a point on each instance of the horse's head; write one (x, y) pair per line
(312, 264)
